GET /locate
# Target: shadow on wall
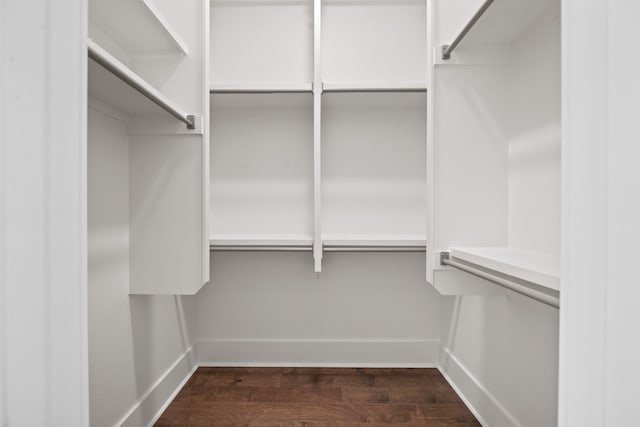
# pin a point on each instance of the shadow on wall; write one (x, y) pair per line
(508, 348)
(163, 330)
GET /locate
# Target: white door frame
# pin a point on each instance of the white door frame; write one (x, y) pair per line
(43, 213)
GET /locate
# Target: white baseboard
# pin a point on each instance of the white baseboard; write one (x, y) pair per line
(319, 353)
(147, 410)
(486, 408)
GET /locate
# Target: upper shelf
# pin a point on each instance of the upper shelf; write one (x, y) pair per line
(135, 26)
(538, 268)
(374, 87)
(261, 88)
(501, 22)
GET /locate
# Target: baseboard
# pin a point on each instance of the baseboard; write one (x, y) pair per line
(147, 410)
(486, 408)
(319, 353)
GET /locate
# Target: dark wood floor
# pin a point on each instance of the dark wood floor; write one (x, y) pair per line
(316, 397)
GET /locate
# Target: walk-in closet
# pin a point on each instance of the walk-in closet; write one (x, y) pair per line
(318, 212)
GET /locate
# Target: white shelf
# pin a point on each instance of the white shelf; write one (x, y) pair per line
(505, 20)
(538, 268)
(113, 91)
(261, 88)
(135, 26)
(239, 241)
(374, 87)
(374, 240)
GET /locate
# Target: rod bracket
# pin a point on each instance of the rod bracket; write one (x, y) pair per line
(445, 54)
(192, 122)
(444, 257)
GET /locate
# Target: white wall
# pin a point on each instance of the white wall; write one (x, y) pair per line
(534, 138)
(261, 165)
(363, 309)
(600, 338)
(43, 283)
(138, 345)
(508, 347)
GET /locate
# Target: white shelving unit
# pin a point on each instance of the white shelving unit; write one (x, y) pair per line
(142, 86)
(135, 28)
(496, 189)
(345, 168)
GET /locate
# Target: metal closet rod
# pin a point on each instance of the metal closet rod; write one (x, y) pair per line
(259, 248)
(377, 248)
(448, 48)
(121, 71)
(257, 90)
(542, 297)
(309, 248)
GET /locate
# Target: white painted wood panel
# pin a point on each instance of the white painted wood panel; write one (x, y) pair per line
(598, 316)
(43, 217)
(471, 157)
(374, 168)
(261, 42)
(534, 139)
(261, 165)
(374, 41)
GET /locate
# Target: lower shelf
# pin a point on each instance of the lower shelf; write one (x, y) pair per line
(330, 243)
(260, 243)
(535, 267)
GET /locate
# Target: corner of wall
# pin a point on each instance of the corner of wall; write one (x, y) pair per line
(484, 406)
(147, 410)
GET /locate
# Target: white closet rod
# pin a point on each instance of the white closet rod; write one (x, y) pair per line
(447, 49)
(125, 74)
(512, 285)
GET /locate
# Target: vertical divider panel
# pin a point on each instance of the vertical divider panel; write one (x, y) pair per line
(317, 145)
(206, 141)
(430, 142)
